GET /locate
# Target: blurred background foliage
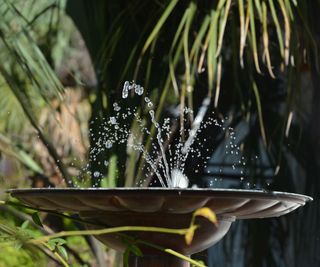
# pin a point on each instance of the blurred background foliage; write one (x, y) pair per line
(63, 65)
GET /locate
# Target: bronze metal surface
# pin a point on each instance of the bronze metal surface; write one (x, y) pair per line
(161, 207)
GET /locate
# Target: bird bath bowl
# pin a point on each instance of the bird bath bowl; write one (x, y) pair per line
(161, 207)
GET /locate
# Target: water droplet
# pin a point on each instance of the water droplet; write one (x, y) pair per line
(113, 120)
(138, 89)
(151, 112)
(108, 144)
(125, 90)
(116, 107)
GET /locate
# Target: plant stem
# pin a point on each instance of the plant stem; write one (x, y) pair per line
(108, 231)
(14, 204)
(172, 252)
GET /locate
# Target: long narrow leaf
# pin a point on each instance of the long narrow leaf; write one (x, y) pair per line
(287, 31)
(253, 36)
(266, 39)
(223, 26)
(29, 113)
(277, 26)
(212, 48)
(260, 116)
(159, 24)
(174, 42)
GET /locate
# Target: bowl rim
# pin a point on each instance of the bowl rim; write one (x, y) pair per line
(163, 191)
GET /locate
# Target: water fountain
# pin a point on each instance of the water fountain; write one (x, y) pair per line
(162, 207)
(171, 206)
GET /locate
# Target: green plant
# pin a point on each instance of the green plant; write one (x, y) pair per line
(22, 237)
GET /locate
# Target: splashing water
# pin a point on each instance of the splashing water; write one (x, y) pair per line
(178, 179)
(127, 87)
(164, 159)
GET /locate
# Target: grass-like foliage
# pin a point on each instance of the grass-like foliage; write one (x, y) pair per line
(54, 244)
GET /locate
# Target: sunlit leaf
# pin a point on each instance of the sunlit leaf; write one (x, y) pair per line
(207, 213)
(24, 225)
(58, 241)
(63, 251)
(159, 24)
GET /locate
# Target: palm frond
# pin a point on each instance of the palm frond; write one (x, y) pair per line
(22, 156)
(19, 48)
(26, 71)
(180, 56)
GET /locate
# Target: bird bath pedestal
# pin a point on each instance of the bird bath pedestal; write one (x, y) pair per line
(161, 207)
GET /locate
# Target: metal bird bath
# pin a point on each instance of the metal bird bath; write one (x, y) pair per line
(161, 207)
